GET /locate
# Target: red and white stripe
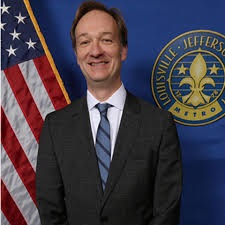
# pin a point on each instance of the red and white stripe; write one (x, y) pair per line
(30, 90)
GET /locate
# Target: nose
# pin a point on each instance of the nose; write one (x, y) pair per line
(96, 49)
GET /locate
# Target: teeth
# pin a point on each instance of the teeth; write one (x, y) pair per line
(94, 64)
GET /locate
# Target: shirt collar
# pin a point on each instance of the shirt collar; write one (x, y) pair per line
(117, 99)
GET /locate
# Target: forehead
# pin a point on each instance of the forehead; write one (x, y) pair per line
(97, 21)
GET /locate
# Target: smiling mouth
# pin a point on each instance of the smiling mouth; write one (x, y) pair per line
(98, 63)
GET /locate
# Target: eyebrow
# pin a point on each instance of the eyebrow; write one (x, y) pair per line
(86, 34)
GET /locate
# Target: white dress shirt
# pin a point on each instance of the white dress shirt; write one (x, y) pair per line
(114, 114)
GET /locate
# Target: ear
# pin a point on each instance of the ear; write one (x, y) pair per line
(75, 52)
(123, 53)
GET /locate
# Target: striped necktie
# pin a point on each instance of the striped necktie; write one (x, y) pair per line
(103, 145)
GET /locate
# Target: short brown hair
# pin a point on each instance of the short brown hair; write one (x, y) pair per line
(88, 6)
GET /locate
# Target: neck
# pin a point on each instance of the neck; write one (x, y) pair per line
(103, 93)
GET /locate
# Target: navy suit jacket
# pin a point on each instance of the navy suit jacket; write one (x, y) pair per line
(145, 178)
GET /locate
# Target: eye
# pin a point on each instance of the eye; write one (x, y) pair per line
(107, 41)
(84, 43)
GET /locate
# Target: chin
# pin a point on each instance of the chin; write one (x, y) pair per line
(99, 77)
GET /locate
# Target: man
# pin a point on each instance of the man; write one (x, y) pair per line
(120, 165)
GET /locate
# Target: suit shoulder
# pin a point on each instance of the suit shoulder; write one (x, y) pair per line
(67, 111)
(154, 117)
(151, 109)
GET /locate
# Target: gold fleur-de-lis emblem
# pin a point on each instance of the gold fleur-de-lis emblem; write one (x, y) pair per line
(197, 82)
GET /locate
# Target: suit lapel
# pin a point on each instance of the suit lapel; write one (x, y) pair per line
(81, 122)
(126, 135)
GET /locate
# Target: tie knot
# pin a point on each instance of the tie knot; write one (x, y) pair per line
(103, 108)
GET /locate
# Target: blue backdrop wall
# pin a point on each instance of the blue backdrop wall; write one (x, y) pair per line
(151, 26)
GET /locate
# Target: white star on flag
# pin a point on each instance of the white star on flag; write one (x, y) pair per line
(11, 50)
(20, 18)
(15, 35)
(5, 8)
(2, 26)
(30, 44)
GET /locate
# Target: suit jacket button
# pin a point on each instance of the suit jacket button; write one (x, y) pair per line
(104, 219)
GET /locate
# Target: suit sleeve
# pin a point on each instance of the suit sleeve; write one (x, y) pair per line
(168, 182)
(49, 186)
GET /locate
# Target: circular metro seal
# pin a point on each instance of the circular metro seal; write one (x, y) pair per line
(188, 77)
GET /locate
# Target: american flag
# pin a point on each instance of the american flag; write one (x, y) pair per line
(30, 88)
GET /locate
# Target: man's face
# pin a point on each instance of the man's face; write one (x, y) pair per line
(98, 48)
